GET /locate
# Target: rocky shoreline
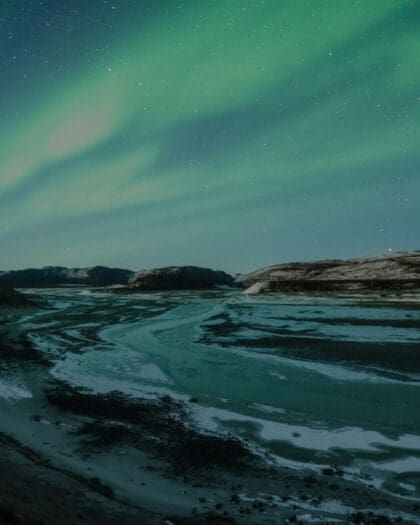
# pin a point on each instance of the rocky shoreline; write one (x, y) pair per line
(236, 488)
(12, 298)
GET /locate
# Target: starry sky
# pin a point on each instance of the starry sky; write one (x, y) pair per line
(225, 133)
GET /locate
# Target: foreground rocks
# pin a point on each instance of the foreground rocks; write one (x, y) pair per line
(162, 426)
(34, 491)
(179, 278)
(396, 272)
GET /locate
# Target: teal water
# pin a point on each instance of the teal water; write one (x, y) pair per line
(311, 381)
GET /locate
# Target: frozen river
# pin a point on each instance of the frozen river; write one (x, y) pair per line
(311, 381)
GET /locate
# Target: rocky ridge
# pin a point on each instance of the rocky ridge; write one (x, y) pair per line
(167, 278)
(59, 276)
(393, 272)
(179, 278)
(390, 272)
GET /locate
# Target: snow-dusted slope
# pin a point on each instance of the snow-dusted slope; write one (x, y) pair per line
(394, 272)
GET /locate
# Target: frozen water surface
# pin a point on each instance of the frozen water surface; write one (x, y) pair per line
(311, 380)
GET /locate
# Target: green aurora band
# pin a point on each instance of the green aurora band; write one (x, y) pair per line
(230, 133)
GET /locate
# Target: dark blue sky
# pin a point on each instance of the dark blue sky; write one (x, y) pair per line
(232, 134)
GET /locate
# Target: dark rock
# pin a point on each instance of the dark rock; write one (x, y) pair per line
(357, 517)
(10, 297)
(381, 520)
(214, 517)
(119, 420)
(179, 278)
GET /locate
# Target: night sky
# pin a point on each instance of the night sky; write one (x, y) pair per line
(230, 134)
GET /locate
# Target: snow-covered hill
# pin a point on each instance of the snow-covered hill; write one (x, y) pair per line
(399, 271)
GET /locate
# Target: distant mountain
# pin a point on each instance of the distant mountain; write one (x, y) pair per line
(399, 271)
(396, 271)
(168, 278)
(179, 278)
(59, 276)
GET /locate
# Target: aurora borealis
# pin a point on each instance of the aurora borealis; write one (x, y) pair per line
(229, 133)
